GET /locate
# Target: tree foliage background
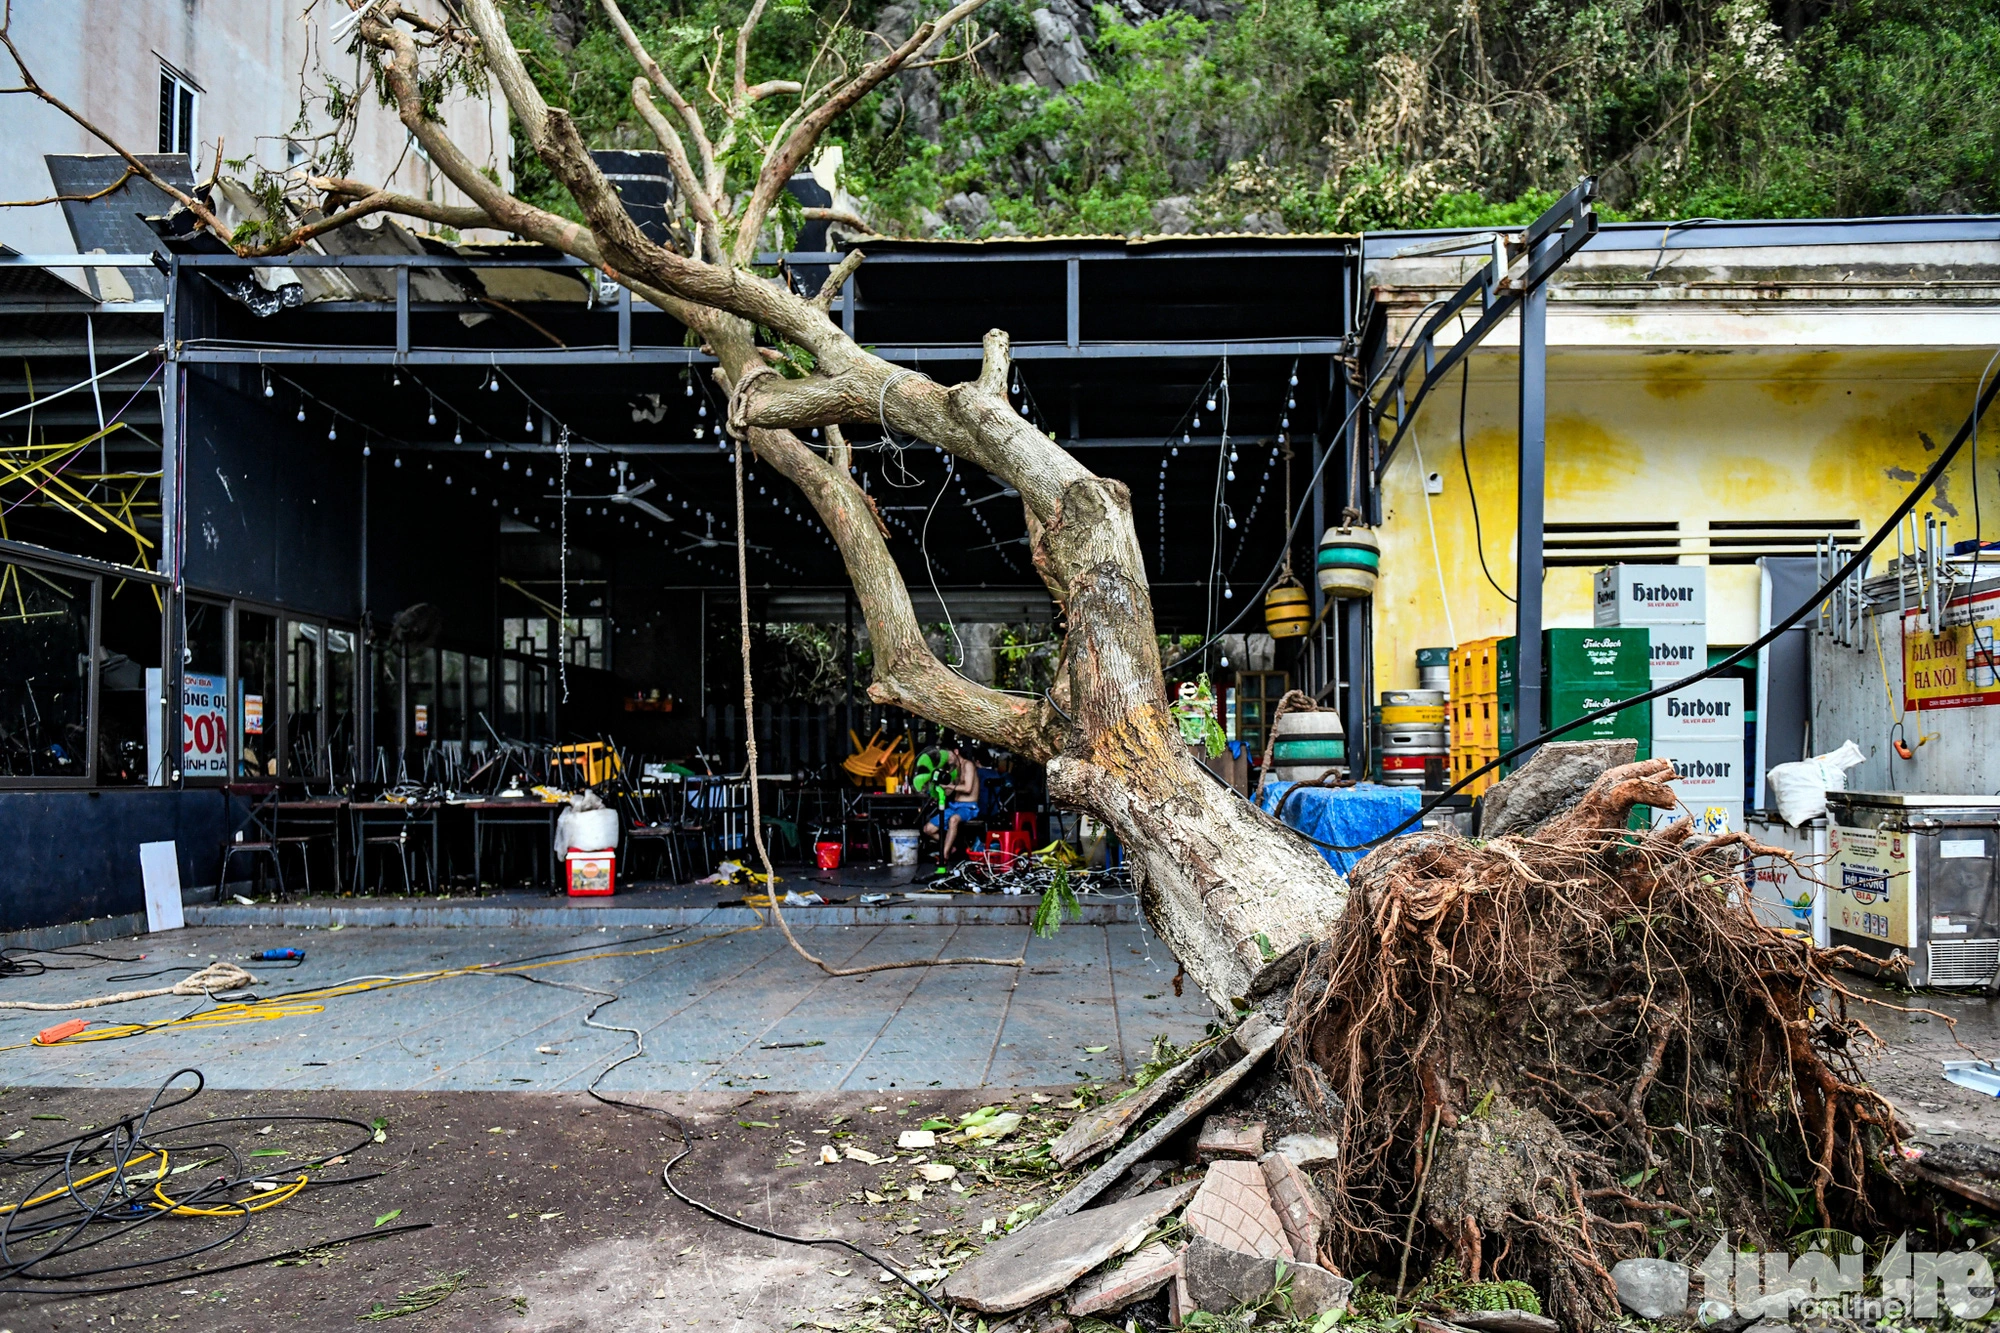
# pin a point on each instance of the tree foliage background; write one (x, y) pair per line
(1343, 114)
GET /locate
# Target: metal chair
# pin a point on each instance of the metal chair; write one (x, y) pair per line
(402, 842)
(262, 824)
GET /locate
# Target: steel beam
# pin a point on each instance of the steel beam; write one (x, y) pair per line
(199, 354)
(1529, 502)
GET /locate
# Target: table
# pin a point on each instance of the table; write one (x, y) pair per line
(393, 815)
(503, 812)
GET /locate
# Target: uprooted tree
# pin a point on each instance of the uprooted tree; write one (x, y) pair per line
(1499, 1032)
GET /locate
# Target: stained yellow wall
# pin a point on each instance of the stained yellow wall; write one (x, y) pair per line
(1669, 436)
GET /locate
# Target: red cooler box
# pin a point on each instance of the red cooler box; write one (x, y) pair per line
(591, 874)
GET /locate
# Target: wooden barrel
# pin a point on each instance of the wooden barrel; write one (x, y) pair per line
(1349, 559)
(1287, 611)
(1308, 746)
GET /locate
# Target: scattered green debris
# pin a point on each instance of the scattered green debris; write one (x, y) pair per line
(420, 1299)
(1058, 902)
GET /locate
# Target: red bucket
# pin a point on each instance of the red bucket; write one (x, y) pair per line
(828, 855)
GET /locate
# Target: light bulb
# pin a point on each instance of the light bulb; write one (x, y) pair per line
(701, 411)
(1232, 528)
(475, 489)
(1232, 455)
(399, 461)
(302, 409)
(1230, 476)
(504, 465)
(1175, 451)
(432, 415)
(588, 461)
(1211, 402)
(332, 431)
(268, 390)
(365, 451)
(458, 435)
(1197, 421)
(528, 423)
(494, 384)
(529, 469)
(489, 453)
(395, 379)
(689, 386)
(447, 478)
(1295, 379)
(1225, 659)
(1284, 421)
(1227, 595)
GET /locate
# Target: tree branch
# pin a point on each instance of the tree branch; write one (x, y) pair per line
(840, 215)
(695, 195)
(704, 149)
(112, 188)
(829, 291)
(785, 159)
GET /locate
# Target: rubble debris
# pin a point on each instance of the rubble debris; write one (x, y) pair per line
(1220, 1139)
(1143, 1177)
(1652, 1288)
(1308, 1152)
(1218, 1279)
(1301, 1210)
(937, 1172)
(1172, 1123)
(1504, 1321)
(1097, 1130)
(1139, 1277)
(1039, 1260)
(863, 1156)
(917, 1138)
(1233, 1208)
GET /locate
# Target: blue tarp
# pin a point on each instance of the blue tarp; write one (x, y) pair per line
(1344, 815)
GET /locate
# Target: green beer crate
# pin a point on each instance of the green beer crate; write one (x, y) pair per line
(1595, 659)
(1635, 723)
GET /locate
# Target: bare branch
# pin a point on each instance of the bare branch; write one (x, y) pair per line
(829, 290)
(757, 92)
(743, 52)
(112, 188)
(967, 54)
(692, 193)
(704, 149)
(840, 215)
(794, 148)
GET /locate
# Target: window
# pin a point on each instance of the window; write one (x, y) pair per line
(450, 725)
(479, 687)
(303, 755)
(586, 641)
(341, 672)
(45, 649)
(178, 97)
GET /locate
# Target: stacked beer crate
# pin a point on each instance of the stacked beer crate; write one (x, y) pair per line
(1475, 711)
(1584, 670)
(1699, 728)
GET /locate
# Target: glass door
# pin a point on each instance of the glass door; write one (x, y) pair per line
(256, 699)
(343, 658)
(305, 673)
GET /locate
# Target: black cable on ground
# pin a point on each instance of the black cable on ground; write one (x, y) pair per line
(687, 1146)
(74, 1202)
(1857, 561)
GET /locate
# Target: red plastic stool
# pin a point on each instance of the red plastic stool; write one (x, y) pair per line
(1031, 825)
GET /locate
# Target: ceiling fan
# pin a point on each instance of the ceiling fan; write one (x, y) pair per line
(630, 496)
(711, 542)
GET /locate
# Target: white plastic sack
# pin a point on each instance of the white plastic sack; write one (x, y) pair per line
(1801, 788)
(586, 830)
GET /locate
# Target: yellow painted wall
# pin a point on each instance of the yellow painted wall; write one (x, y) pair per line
(1690, 437)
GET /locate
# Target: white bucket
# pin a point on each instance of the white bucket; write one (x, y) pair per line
(902, 846)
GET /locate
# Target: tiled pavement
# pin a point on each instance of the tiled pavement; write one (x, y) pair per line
(718, 1009)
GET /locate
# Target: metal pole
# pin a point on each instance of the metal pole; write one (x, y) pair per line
(847, 706)
(173, 636)
(1529, 508)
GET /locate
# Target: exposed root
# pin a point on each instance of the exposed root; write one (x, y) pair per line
(1598, 1028)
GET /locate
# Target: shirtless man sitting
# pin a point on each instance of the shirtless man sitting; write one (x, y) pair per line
(961, 796)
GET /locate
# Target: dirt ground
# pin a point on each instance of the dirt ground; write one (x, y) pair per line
(551, 1208)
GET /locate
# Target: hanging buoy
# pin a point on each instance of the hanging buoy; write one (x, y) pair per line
(1349, 559)
(1287, 611)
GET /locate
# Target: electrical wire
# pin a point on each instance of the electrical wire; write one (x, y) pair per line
(1472, 492)
(82, 1192)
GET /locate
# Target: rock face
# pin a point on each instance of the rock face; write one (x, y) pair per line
(1554, 779)
(1040, 1260)
(1057, 59)
(1652, 1288)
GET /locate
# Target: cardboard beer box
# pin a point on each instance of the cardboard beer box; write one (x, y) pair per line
(1652, 595)
(1710, 710)
(1677, 651)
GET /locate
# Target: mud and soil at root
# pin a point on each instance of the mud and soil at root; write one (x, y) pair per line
(1546, 1052)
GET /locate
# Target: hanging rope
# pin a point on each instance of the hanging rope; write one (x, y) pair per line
(750, 770)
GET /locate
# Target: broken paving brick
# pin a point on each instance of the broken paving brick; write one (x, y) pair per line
(828, 1154)
(1220, 1138)
(1300, 1209)
(1139, 1277)
(1308, 1151)
(1038, 1261)
(1100, 1129)
(862, 1155)
(1233, 1208)
(1265, 1037)
(916, 1138)
(938, 1172)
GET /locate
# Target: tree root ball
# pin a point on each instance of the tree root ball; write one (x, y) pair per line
(1546, 1051)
